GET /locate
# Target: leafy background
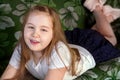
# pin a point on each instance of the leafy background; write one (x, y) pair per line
(72, 13)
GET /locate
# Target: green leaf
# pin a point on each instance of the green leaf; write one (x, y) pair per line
(5, 8)
(51, 3)
(6, 21)
(3, 36)
(44, 2)
(79, 10)
(67, 4)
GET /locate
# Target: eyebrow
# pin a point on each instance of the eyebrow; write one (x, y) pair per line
(45, 27)
(41, 26)
(29, 24)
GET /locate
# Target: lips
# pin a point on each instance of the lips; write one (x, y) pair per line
(34, 42)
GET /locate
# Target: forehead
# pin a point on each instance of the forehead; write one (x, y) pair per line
(40, 13)
(40, 18)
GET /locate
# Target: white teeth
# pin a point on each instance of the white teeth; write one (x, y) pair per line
(35, 40)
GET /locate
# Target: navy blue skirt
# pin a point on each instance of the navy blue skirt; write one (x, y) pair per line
(100, 48)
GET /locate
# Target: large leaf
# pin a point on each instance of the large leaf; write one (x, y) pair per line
(70, 3)
(5, 22)
(51, 3)
(5, 8)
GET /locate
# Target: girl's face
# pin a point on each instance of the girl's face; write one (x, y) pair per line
(38, 31)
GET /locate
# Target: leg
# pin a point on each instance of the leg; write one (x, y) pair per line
(106, 12)
(103, 26)
(102, 49)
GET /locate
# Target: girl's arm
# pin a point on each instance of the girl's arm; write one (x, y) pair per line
(56, 74)
(9, 72)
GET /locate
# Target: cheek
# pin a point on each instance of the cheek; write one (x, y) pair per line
(27, 33)
(26, 36)
(49, 38)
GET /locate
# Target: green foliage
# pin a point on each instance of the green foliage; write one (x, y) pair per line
(11, 12)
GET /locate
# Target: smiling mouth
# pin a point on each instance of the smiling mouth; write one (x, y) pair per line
(34, 42)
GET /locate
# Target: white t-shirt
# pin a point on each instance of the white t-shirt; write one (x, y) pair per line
(56, 61)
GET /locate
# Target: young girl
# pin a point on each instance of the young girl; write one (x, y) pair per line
(45, 53)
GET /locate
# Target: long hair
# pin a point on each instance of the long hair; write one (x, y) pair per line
(58, 35)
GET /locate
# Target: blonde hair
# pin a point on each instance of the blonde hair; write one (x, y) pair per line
(58, 35)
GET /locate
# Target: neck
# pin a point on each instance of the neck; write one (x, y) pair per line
(36, 56)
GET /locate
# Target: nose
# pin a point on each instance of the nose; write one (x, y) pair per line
(36, 34)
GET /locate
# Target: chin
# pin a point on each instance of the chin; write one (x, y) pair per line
(35, 49)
